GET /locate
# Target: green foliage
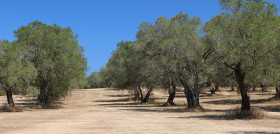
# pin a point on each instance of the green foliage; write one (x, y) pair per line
(16, 70)
(57, 57)
(247, 33)
(95, 81)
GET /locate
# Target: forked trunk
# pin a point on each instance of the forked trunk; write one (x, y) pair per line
(147, 97)
(10, 97)
(141, 93)
(192, 96)
(189, 96)
(240, 76)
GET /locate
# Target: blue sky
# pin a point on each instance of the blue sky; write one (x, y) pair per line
(100, 24)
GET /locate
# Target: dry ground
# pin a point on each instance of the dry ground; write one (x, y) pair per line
(110, 111)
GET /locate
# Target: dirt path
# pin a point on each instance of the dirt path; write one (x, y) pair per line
(107, 111)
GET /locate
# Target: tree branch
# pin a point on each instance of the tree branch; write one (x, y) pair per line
(228, 65)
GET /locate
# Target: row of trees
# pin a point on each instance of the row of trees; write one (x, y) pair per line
(237, 47)
(46, 58)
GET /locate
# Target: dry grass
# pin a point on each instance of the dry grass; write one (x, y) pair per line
(7, 108)
(237, 113)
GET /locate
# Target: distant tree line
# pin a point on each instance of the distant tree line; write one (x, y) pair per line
(239, 47)
(45, 60)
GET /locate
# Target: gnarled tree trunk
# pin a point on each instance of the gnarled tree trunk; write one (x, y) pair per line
(240, 77)
(192, 96)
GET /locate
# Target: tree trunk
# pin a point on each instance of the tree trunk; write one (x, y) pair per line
(172, 93)
(42, 95)
(196, 97)
(277, 96)
(232, 88)
(10, 97)
(136, 94)
(141, 93)
(146, 99)
(254, 87)
(217, 87)
(212, 91)
(240, 76)
(188, 95)
(263, 87)
(192, 96)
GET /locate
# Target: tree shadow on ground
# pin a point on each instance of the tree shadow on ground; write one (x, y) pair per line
(205, 117)
(274, 108)
(158, 110)
(116, 95)
(233, 101)
(252, 132)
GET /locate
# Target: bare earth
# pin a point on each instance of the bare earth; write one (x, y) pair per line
(110, 111)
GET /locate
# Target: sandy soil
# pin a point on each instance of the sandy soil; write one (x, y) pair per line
(109, 111)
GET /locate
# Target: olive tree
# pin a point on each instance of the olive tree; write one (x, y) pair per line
(58, 58)
(179, 53)
(16, 70)
(244, 37)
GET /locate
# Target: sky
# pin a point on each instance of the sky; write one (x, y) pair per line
(100, 24)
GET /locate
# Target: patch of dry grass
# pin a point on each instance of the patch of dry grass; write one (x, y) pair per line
(8, 108)
(239, 114)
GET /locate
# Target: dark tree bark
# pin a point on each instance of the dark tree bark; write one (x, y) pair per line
(192, 96)
(172, 93)
(136, 94)
(263, 87)
(212, 91)
(217, 87)
(10, 99)
(147, 96)
(254, 87)
(240, 77)
(277, 96)
(42, 95)
(232, 88)
(141, 93)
